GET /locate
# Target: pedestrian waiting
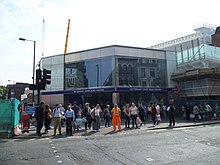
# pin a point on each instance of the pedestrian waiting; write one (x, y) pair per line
(116, 119)
(70, 117)
(57, 113)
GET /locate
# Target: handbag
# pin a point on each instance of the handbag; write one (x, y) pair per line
(158, 118)
(138, 120)
(84, 120)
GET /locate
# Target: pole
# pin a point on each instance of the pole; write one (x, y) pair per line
(34, 69)
(38, 97)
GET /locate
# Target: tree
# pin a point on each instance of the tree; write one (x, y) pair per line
(3, 92)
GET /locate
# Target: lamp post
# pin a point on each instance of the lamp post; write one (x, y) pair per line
(23, 39)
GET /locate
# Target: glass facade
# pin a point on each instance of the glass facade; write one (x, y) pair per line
(199, 52)
(89, 73)
(116, 71)
(141, 72)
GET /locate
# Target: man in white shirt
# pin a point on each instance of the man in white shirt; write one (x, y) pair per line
(57, 113)
(70, 117)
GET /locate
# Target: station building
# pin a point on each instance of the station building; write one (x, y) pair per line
(111, 74)
(198, 64)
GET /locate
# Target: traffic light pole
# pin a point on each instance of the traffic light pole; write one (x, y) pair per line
(38, 97)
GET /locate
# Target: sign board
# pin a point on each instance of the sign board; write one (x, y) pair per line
(30, 109)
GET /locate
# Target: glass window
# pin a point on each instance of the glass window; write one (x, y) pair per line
(143, 72)
(148, 74)
(185, 56)
(102, 72)
(152, 73)
(90, 73)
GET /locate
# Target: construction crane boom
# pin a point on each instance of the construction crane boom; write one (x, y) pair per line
(67, 37)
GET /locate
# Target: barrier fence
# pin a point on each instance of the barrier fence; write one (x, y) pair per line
(9, 116)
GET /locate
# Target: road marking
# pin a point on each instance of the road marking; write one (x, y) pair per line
(149, 159)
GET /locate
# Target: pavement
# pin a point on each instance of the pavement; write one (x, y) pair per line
(109, 130)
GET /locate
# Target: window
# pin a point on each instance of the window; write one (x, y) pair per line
(152, 73)
(143, 72)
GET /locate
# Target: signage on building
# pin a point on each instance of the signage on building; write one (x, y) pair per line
(132, 89)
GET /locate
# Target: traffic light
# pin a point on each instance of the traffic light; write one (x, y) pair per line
(39, 80)
(46, 78)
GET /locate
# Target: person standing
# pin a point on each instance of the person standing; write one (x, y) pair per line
(127, 115)
(39, 115)
(62, 116)
(76, 109)
(142, 114)
(87, 115)
(107, 115)
(153, 113)
(134, 113)
(171, 112)
(57, 113)
(116, 117)
(187, 109)
(70, 117)
(96, 117)
(158, 117)
(164, 110)
(48, 118)
(196, 112)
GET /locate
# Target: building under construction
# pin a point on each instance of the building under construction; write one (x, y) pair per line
(198, 64)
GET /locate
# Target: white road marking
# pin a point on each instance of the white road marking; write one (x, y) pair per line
(149, 159)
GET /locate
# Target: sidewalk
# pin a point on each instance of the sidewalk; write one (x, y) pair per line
(108, 130)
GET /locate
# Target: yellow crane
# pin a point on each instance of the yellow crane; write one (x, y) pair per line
(67, 37)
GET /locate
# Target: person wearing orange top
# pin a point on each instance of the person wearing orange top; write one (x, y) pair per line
(116, 117)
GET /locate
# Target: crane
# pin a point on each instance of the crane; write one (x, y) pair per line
(67, 37)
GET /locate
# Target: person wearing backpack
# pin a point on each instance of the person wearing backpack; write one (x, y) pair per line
(171, 112)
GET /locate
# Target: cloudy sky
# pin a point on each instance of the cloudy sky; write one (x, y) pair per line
(94, 23)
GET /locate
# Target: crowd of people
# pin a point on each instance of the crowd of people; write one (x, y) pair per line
(199, 111)
(74, 116)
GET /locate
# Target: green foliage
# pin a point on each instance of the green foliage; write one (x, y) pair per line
(3, 92)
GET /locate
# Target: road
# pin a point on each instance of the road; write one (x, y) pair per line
(179, 146)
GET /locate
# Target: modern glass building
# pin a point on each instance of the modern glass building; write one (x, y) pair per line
(198, 65)
(111, 74)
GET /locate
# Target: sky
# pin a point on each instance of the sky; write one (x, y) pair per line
(94, 23)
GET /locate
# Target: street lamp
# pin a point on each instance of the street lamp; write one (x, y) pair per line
(23, 39)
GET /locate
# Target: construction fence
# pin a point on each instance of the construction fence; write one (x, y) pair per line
(9, 116)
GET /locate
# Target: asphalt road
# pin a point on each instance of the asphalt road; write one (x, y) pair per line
(178, 146)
